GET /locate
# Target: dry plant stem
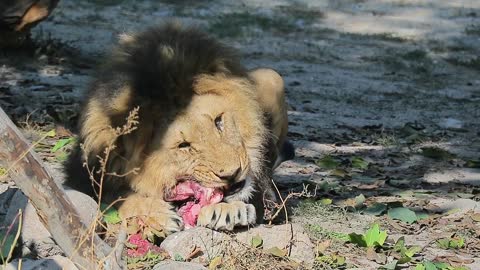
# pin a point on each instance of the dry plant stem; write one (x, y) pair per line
(305, 193)
(283, 206)
(114, 259)
(53, 206)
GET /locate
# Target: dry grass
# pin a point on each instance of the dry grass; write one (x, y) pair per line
(97, 177)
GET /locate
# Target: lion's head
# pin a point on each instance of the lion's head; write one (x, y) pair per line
(199, 117)
(217, 140)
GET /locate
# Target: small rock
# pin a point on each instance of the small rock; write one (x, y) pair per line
(451, 123)
(51, 263)
(174, 265)
(461, 175)
(462, 204)
(280, 236)
(43, 58)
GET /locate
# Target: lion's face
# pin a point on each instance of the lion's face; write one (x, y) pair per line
(216, 140)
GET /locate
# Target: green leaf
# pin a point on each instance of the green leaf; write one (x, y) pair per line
(256, 241)
(359, 163)
(275, 251)
(8, 243)
(62, 143)
(333, 260)
(443, 243)
(339, 260)
(404, 214)
(429, 265)
(457, 243)
(376, 209)
(373, 237)
(442, 265)
(400, 244)
(421, 215)
(177, 257)
(473, 164)
(327, 162)
(420, 266)
(406, 254)
(326, 201)
(412, 251)
(339, 173)
(357, 239)
(110, 214)
(390, 266)
(215, 263)
(51, 133)
(453, 243)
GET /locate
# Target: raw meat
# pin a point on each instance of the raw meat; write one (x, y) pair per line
(196, 196)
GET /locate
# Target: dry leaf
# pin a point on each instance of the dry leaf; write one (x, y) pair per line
(322, 246)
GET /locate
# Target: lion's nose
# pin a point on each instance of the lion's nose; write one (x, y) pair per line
(229, 177)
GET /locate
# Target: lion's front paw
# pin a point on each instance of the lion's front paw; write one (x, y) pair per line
(225, 216)
(163, 225)
(156, 215)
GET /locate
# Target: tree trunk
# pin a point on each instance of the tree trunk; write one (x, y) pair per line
(52, 204)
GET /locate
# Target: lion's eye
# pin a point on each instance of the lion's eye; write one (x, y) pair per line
(184, 145)
(219, 122)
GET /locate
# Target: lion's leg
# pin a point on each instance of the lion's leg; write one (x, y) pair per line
(226, 216)
(155, 213)
(271, 96)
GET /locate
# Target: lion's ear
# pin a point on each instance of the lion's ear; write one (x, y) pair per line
(267, 79)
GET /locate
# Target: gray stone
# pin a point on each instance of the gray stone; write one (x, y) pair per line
(174, 265)
(182, 243)
(6, 195)
(461, 204)
(52, 263)
(213, 243)
(281, 236)
(469, 176)
(35, 237)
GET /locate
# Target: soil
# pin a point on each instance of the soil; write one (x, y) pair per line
(384, 104)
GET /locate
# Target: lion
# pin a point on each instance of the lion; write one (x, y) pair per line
(202, 116)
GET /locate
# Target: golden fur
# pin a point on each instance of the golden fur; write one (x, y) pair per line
(227, 130)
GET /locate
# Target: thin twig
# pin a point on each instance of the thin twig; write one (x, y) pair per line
(282, 206)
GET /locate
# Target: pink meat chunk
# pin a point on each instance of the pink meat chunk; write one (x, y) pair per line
(198, 197)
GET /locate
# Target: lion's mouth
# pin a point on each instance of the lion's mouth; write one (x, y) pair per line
(189, 197)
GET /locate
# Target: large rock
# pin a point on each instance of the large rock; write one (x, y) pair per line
(52, 263)
(283, 236)
(184, 242)
(213, 243)
(35, 237)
